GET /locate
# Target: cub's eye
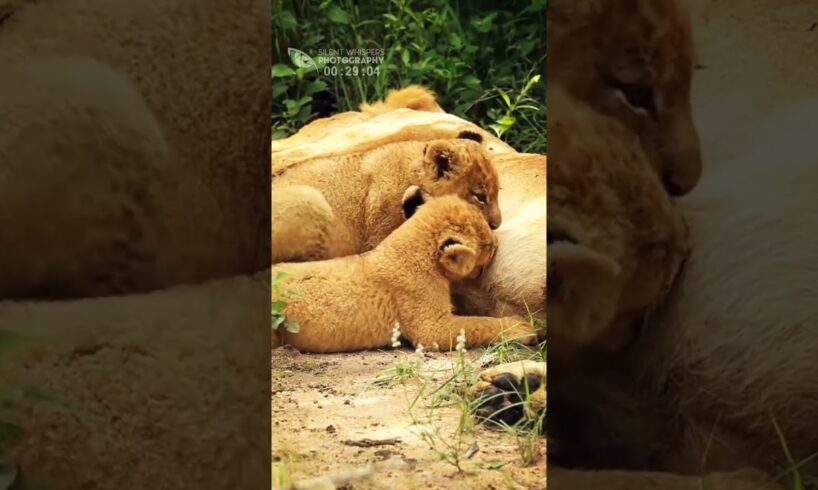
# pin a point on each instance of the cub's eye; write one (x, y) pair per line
(480, 197)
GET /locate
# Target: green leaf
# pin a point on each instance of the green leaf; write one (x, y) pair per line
(278, 90)
(405, 57)
(287, 21)
(498, 130)
(293, 326)
(280, 70)
(505, 97)
(304, 114)
(316, 86)
(485, 24)
(312, 40)
(337, 14)
(471, 80)
(279, 134)
(495, 465)
(507, 121)
(278, 306)
(278, 320)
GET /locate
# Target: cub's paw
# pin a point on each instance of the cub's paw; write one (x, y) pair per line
(511, 393)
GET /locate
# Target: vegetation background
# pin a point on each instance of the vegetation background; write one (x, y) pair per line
(484, 59)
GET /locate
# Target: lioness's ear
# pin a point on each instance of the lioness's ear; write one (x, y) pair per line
(457, 259)
(412, 199)
(439, 159)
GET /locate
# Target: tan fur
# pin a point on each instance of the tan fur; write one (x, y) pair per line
(352, 303)
(412, 97)
(365, 194)
(608, 49)
(133, 151)
(143, 375)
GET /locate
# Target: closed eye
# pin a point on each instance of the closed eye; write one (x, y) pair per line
(639, 96)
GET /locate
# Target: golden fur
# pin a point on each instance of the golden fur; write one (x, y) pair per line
(134, 150)
(352, 303)
(364, 193)
(412, 97)
(633, 60)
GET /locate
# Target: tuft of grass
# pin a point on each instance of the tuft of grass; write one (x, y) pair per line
(428, 394)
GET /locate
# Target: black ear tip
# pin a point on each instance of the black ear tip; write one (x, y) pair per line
(411, 203)
(470, 135)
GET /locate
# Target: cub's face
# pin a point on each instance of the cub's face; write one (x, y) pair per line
(464, 242)
(633, 60)
(461, 167)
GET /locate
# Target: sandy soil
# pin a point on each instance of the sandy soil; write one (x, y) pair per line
(326, 406)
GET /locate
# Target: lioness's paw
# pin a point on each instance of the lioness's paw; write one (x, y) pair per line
(511, 392)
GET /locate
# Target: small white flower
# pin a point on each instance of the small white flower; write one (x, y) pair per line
(461, 342)
(396, 335)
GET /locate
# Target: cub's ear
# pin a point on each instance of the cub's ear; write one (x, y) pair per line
(439, 160)
(412, 199)
(457, 260)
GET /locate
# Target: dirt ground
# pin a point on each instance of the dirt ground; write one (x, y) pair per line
(326, 407)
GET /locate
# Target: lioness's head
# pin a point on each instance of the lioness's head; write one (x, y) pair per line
(634, 60)
(462, 167)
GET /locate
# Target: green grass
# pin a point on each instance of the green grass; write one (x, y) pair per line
(485, 60)
(427, 398)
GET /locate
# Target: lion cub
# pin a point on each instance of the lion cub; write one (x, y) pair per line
(352, 303)
(340, 205)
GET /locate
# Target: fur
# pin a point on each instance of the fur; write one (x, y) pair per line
(147, 150)
(364, 193)
(405, 279)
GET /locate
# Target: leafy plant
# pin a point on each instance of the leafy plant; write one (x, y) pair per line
(280, 295)
(483, 59)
